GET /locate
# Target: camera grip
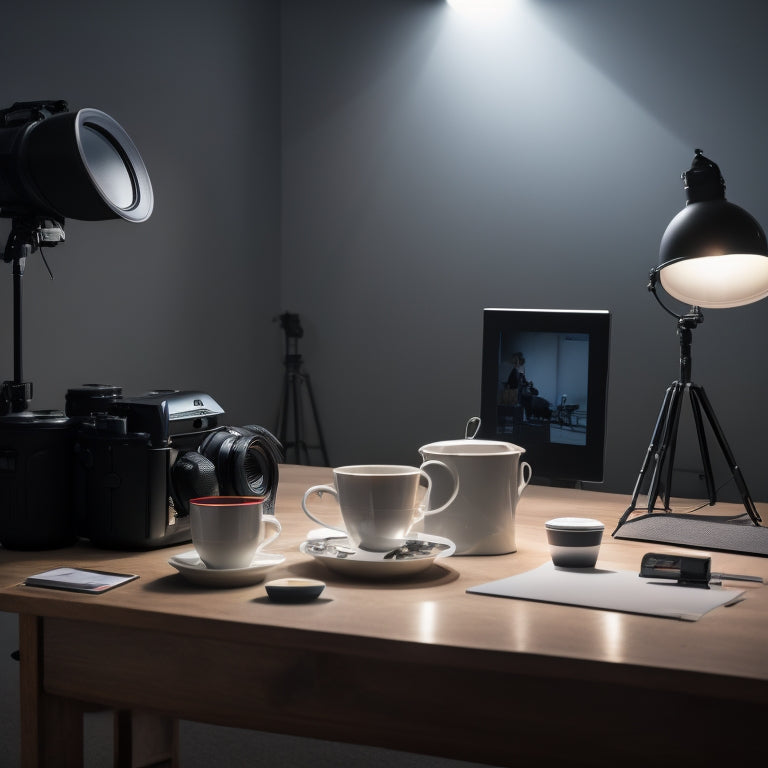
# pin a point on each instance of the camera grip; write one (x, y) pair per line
(193, 476)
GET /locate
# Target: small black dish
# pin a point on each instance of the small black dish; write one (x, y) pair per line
(294, 590)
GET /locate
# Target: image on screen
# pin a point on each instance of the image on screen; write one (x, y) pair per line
(544, 388)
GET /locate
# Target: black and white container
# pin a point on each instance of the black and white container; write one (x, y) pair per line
(574, 542)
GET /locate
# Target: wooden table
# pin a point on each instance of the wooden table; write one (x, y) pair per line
(416, 665)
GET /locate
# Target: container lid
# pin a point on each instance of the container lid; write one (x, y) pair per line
(574, 524)
(471, 447)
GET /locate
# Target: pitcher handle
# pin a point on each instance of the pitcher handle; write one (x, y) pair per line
(423, 510)
(525, 478)
(475, 422)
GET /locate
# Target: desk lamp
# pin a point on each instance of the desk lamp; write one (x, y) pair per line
(713, 254)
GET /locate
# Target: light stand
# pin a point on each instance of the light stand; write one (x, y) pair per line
(713, 254)
(660, 457)
(296, 379)
(28, 234)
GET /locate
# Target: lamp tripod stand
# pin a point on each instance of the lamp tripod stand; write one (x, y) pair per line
(296, 379)
(659, 459)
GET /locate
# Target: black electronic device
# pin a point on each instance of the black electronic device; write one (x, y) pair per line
(36, 504)
(125, 451)
(544, 388)
(692, 570)
(120, 470)
(688, 570)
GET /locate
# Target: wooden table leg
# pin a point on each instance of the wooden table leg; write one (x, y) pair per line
(51, 727)
(143, 739)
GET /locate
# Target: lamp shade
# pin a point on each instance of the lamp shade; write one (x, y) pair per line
(79, 165)
(713, 253)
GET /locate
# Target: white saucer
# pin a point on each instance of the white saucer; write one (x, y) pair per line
(194, 569)
(337, 553)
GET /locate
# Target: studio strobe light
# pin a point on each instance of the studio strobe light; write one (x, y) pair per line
(54, 164)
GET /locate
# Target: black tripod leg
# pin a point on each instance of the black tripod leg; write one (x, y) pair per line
(741, 484)
(317, 420)
(298, 421)
(650, 454)
(282, 420)
(292, 405)
(666, 451)
(671, 449)
(709, 478)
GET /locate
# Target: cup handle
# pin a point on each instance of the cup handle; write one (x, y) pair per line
(525, 477)
(423, 510)
(320, 490)
(275, 523)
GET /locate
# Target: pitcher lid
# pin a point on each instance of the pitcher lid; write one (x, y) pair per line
(471, 447)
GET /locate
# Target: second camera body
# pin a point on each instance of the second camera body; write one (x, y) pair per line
(138, 461)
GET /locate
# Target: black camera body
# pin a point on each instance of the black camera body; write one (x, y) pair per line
(131, 465)
(124, 453)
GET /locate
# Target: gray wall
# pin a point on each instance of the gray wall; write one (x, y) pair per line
(431, 165)
(186, 299)
(434, 165)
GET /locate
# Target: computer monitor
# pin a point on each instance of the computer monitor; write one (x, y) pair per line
(544, 387)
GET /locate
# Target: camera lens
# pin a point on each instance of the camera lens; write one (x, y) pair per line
(255, 467)
(245, 460)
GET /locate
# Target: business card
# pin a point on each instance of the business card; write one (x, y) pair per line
(79, 579)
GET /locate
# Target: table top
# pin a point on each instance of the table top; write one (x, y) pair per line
(430, 614)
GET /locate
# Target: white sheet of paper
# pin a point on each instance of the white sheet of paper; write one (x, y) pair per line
(611, 590)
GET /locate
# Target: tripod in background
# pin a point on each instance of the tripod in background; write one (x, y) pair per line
(291, 404)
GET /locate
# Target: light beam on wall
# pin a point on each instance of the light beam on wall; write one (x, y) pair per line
(478, 6)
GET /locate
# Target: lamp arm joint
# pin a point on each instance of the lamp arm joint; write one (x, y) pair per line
(653, 278)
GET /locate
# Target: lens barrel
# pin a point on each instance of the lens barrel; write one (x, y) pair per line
(246, 460)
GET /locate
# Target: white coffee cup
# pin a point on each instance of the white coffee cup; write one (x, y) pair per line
(379, 502)
(228, 531)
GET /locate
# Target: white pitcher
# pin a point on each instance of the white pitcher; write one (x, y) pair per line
(481, 519)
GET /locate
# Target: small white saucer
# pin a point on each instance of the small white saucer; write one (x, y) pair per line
(194, 569)
(417, 554)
